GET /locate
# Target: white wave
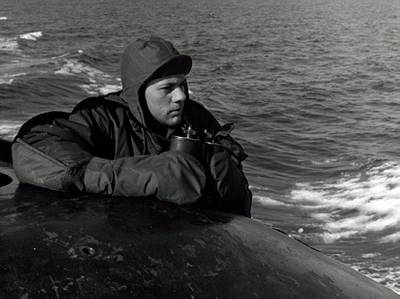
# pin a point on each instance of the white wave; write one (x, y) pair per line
(6, 81)
(9, 78)
(17, 68)
(95, 89)
(259, 195)
(22, 66)
(391, 238)
(99, 81)
(388, 276)
(259, 188)
(264, 200)
(31, 35)
(329, 237)
(9, 128)
(355, 205)
(370, 255)
(18, 75)
(73, 66)
(8, 44)
(3, 18)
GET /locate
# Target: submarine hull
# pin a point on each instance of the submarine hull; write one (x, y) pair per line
(57, 245)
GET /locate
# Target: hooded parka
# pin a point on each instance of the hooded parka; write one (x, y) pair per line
(106, 145)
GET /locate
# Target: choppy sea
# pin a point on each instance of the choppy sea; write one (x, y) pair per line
(313, 87)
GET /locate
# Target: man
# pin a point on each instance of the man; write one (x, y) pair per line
(117, 144)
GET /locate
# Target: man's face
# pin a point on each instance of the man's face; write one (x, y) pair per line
(165, 99)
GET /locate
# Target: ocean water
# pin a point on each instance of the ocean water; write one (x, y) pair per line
(313, 87)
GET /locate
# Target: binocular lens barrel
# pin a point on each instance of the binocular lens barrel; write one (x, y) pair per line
(192, 146)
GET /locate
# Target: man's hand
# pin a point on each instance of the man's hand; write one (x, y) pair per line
(220, 166)
(180, 178)
(230, 183)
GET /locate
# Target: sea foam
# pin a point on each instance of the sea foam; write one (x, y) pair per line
(9, 128)
(3, 18)
(99, 81)
(95, 89)
(388, 276)
(6, 81)
(357, 205)
(8, 44)
(31, 35)
(267, 201)
(9, 78)
(73, 66)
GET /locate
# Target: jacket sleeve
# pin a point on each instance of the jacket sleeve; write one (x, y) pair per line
(58, 156)
(224, 165)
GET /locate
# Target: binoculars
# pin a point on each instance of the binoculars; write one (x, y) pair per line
(200, 145)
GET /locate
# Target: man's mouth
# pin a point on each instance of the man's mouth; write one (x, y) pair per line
(177, 111)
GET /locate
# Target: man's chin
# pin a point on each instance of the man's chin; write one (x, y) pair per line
(173, 121)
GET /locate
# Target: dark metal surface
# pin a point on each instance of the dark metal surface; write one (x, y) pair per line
(195, 147)
(55, 245)
(5, 151)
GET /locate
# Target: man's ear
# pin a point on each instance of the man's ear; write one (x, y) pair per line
(186, 88)
(142, 97)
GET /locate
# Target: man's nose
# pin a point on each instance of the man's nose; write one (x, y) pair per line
(179, 94)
